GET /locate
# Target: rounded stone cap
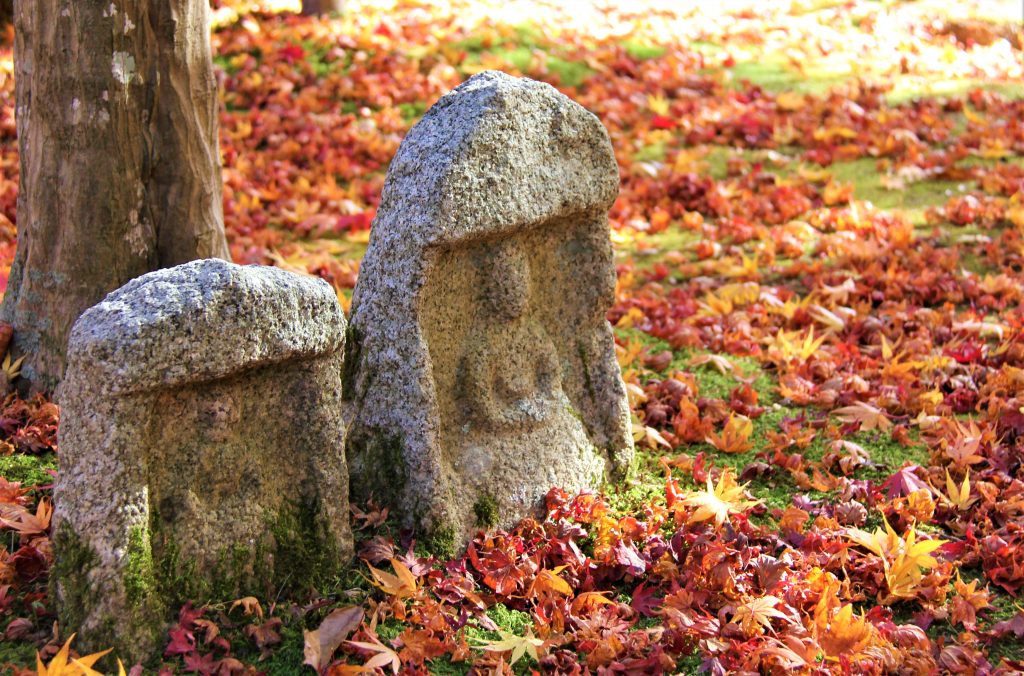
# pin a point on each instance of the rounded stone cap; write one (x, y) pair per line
(200, 321)
(493, 156)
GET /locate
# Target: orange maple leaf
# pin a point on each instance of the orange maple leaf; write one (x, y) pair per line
(735, 436)
(401, 585)
(26, 523)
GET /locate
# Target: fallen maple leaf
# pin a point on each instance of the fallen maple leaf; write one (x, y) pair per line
(793, 653)
(903, 482)
(717, 502)
(845, 633)
(320, 644)
(548, 581)
(28, 524)
(967, 601)
(401, 585)
(648, 435)
(787, 345)
(265, 635)
(964, 449)
(869, 417)
(249, 605)
(518, 645)
(903, 558)
(63, 665)
(755, 614)
(1014, 626)
(384, 657)
(372, 518)
(959, 497)
(720, 363)
(735, 436)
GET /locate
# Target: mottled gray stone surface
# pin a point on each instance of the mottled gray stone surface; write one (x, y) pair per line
(480, 368)
(201, 446)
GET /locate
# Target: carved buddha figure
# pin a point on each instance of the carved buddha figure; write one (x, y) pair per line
(509, 372)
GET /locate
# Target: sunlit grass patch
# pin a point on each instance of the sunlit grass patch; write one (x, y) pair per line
(29, 470)
(911, 200)
(775, 75)
(907, 89)
(642, 50)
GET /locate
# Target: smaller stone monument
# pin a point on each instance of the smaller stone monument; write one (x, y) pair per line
(480, 367)
(201, 447)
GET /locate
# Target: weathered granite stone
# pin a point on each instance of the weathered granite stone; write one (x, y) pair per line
(201, 447)
(480, 369)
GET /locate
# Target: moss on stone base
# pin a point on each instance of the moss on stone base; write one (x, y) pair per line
(72, 561)
(486, 511)
(139, 575)
(304, 555)
(441, 542)
(624, 463)
(133, 630)
(380, 459)
(296, 552)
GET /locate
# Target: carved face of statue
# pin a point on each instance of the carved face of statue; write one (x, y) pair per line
(504, 281)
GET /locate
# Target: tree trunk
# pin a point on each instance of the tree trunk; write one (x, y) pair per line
(322, 6)
(120, 168)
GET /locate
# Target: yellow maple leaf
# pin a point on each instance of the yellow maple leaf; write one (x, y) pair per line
(549, 581)
(755, 614)
(632, 316)
(831, 134)
(904, 559)
(790, 101)
(657, 104)
(63, 664)
(718, 501)
(628, 353)
(905, 573)
(814, 174)
(1015, 215)
(518, 645)
(788, 345)
(959, 496)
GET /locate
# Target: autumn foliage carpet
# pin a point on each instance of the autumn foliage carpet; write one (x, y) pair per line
(820, 250)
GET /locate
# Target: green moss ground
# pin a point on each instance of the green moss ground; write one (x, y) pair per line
(29, 470)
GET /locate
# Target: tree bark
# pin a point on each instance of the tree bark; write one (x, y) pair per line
(322, 6)
(120, 168)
